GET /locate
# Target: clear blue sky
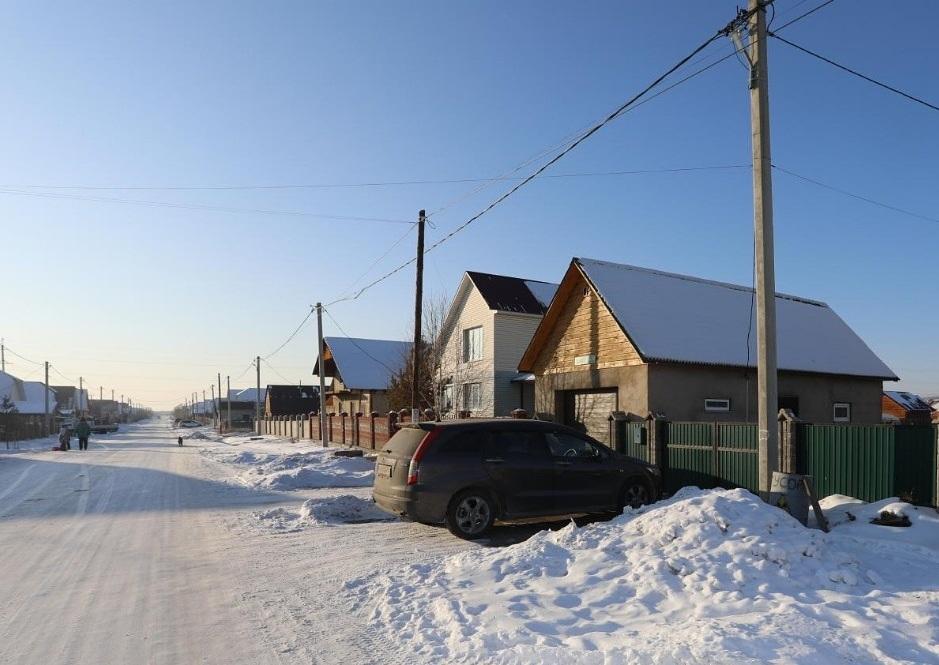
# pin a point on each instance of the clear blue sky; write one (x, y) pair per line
(152, 301)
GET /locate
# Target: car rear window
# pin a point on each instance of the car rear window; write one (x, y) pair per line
(405, 441)
(463, 444)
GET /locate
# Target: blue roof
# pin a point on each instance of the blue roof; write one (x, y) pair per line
(367, 364)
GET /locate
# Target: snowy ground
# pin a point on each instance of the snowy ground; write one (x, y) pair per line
(245, 550)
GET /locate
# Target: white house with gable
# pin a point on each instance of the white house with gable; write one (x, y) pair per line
(484, 334)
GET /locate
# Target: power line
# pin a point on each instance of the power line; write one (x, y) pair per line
(9, 350)
(628, 106)
(53, 368)
(856, 73)
(195, 206)
(292, 335)
(274, 369)
(857, 196)
(495, 179)
(802, 16)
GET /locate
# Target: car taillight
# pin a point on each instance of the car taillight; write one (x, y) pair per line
(414, 466)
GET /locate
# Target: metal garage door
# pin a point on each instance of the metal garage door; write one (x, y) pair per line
(589, 411)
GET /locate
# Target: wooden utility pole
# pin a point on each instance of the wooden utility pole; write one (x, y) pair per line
(418, 306)
(228, 386)
(321, 370)
(767, 399)
(48, 425)
(257, 401)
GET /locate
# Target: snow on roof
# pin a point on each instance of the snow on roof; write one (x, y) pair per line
(367, 364)
(246, 394)
(686, 319)
(909, 401)
(35, 398)
(11, 387)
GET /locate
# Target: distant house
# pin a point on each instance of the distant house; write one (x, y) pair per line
(361, 370)
(487, 328)
(290, 400)
(11, 387)
(105, 410)
(905, 408)
(70, 400)
(619, 337)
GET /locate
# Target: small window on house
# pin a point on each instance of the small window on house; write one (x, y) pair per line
(714, 404)
(841, 413)
(471, 396)
(472, 344)
(446, 397)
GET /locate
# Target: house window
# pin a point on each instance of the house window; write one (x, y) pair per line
(841, 413)
(472, 344)
(713, 404)
(471, 396)
(446, 397)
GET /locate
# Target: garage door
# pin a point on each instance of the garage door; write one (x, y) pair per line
(589, 411)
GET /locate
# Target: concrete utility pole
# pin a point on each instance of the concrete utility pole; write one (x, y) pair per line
(46, 395)
(218, 411)
(257, 397)
(418, 305)
(321, 353)
(81, 394)
(767, 398)
(100, 393)
(214, 403)
(228, 385)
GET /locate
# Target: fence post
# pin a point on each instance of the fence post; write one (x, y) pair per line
(788, 441)
(371, 428)
(357, 429)
(342, 425)
(617, 440)
(392, 423)
(655, 425)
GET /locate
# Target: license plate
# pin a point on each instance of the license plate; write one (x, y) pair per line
(385, 470)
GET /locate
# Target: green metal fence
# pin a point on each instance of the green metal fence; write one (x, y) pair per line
(710, 455)
(870, 462)
(634, 440)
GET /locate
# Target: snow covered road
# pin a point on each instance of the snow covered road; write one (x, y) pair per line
(138, 551)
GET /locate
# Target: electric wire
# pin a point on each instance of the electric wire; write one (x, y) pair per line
(9, 350)
(859, 197)
(292, 335)
(802, 16)
(856, 73)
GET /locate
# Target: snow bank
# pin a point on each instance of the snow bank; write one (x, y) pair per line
(297, 470)
(704, 577)
(324, 511)
(852, 517)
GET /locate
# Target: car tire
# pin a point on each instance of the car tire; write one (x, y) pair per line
(470, 514)
(635, 493)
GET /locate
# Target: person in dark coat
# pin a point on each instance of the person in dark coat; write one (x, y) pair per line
(82, 431)
(65, 438)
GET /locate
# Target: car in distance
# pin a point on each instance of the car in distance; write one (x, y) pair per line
(103, 428)
(469, 473)
(189, 423)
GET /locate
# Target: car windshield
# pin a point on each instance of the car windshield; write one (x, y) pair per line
(562, 444)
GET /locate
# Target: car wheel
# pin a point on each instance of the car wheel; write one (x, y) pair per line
(470, 514)
(635, 494)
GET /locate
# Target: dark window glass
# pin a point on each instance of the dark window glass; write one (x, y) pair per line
(465, 444)
(562, 444)
(516, 443)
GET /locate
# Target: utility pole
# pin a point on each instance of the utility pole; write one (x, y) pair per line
(218, 410)
(3, 356)
(321, 370)
(418, 305)
(81, 395)
(767, 399)
(257, 402)
(100, 393)
(228, 385)
(214, 403)
(46, 394)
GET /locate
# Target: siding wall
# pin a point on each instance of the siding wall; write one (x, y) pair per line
(473, 312)
(511, 334)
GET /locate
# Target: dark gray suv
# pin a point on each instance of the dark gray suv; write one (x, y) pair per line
(469, 473)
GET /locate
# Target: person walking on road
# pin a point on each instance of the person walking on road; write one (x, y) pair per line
(82, 431)
(65, 438)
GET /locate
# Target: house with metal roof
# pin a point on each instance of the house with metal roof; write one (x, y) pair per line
(293, 399)
(361, 371)
(483, 335)
(905, 408)
(624, 338)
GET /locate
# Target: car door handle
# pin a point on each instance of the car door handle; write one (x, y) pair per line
(563, 463)
(493, 460)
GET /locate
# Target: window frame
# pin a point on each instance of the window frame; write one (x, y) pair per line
(464, 339)
(467, 392)
(446, 397)
(713, 409)
(834, 412)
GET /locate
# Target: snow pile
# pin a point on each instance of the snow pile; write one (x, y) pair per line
(325, 511)
(705, 577)
(299, 470)
(849, 516)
